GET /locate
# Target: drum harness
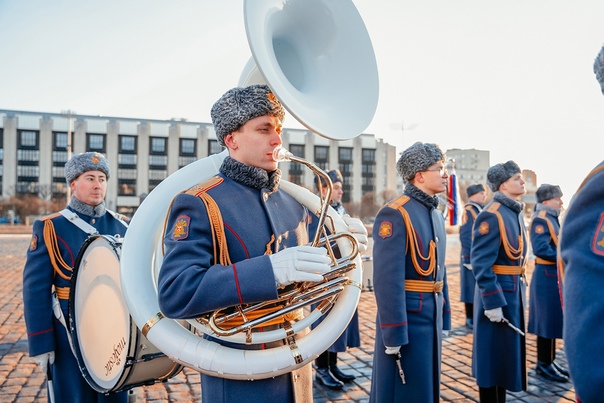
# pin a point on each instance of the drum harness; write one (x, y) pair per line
(73, 218)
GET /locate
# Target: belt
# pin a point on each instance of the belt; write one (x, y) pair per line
(509, 270)
(62, 292)
(543, 261)
(424, 286)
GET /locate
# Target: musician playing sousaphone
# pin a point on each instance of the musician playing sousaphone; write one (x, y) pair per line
(51, 259)
(238, 239)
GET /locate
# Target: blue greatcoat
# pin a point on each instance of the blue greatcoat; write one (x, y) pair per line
(582, 276)
(45, 333)
(257, 221)
(467, 281)
(545, 308)
(411, 319)
(498, 356)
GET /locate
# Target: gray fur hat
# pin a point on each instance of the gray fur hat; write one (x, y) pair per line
(80, 163)
(418, 158)
(599, 68)
(238, 105)
(546, 192)
(499, 173)
(473, 189)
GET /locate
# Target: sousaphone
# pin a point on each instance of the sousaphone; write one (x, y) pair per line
(317, 58)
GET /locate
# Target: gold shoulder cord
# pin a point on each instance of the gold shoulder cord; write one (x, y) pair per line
(52, 244)
(413, 247)
(221, 251)
(512, 253)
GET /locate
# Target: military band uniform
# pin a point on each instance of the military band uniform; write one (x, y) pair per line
(467, 281)
(410, 289)
(235, 239)
(50, 262)
(582, 279)
(498, 258)
(545, 309)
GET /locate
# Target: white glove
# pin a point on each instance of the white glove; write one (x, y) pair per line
(467, 266)
(300, 263)
(393, 350)
(494, 315)
(43, 360)
(358, 230)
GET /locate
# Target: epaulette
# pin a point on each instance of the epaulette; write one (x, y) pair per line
(494, 207)
(398, 202)
(205, 186)
(51, 216)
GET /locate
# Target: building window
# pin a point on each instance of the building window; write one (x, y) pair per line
(322, 157)
(127, 160)
(96, 142)
(296, 170)
(368, 170)
(60, 155)
(158, 161)
(345, 166)
(28, 160)
(214, 147)
(187, 152)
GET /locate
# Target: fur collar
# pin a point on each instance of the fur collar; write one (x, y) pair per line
(550, 211)
(250, 176)
(506, 201)
(86, 209)
(430, 202)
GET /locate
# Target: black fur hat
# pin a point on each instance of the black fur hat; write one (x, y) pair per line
(499, 173)
(473, 189)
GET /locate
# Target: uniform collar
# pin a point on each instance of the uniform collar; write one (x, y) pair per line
(250, 176)
(548, 209)
(86, 209)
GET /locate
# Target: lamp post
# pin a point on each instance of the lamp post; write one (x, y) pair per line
(69, 114)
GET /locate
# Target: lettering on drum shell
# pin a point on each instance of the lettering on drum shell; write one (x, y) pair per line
(114, 359)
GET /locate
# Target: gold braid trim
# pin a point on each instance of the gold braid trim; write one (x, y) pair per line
(552, 232)
(52, 244)
(412, 245)
(221, 251)
(512, 253)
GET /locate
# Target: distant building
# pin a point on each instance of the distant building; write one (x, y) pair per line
(34, 147)
(471, 167)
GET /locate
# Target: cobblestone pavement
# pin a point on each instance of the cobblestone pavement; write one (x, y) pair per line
(22, 381)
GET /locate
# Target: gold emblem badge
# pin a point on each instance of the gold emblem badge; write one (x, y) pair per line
(33, 244)
(181, 228)
(385, 229)
(484, 228)
(539, 229)
(598, 240)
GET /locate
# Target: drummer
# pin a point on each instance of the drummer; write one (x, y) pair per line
(51, 257)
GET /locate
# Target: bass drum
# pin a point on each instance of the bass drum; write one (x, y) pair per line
(111, 352)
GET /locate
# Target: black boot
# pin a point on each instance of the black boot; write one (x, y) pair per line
(561, 369)
(548, 371)
(335, 371)
(325, 378)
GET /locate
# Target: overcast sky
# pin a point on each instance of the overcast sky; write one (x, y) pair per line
(513, 77)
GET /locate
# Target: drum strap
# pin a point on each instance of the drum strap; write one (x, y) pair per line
(58, 312)
(78, 222)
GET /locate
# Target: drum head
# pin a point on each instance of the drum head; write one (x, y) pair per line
(100, 324)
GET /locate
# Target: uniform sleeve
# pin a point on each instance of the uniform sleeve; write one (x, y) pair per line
(190, 282)
(541, 242)
(485, 249)
(389, 243)
(465, 235)
(38, 276)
